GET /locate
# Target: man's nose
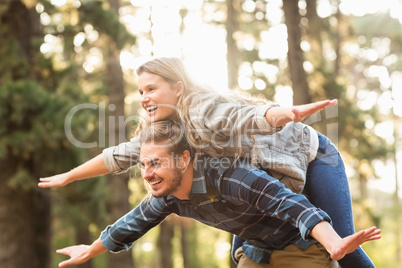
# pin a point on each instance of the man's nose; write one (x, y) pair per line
(148, 172)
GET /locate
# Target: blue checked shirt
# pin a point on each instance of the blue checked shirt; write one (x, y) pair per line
(236, 198)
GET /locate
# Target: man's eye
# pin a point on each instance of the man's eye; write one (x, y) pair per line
(155, 165)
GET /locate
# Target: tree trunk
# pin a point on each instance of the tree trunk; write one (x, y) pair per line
(118, 185)
(118, 205)
(314, 29)
(232, 58)
(232, 52)
(165, 244)
(25, 221)
(17, 240)
(24, 210)
(184, 245)
(295, 54)
(338, 42)
(83, 236)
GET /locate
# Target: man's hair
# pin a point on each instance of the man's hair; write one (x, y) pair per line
(167, 134)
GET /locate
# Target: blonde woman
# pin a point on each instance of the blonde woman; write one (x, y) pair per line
(230, 124)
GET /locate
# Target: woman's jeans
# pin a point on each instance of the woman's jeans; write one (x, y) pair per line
(327, 188)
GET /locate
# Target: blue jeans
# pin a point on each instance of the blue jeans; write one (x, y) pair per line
(327, 187)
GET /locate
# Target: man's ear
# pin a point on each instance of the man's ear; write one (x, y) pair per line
(179, 88)
(186, 158)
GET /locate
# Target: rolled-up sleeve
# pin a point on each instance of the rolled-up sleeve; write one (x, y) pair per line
(231, 118)
(309, 219)
(120, 158)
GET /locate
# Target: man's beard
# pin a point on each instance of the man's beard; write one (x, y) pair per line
(174, 184)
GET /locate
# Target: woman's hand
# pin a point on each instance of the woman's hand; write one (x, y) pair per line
(280, 116)
(302, 112)
(59, 180)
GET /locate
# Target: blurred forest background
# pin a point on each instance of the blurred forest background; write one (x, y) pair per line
(68, 90)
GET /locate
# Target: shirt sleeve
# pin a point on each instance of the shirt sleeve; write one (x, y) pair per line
(125, 231)
(267, 194)
(120, 158)
(228, 118)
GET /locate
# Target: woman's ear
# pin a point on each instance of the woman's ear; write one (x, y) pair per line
(179, 88)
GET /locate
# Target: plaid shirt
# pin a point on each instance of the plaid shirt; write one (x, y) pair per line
(236, 198)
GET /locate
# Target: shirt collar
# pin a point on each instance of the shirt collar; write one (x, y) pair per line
(199, 185)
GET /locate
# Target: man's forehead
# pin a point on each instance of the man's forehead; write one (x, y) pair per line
(151, 151)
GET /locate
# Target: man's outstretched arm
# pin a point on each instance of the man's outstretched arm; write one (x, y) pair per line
(338, 247)
(81, 253)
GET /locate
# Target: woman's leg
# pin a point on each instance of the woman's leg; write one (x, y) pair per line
(327, 188)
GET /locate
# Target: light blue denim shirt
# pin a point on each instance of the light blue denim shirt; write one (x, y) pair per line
(222, 128)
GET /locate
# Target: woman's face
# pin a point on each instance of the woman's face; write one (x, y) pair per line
(158, 96)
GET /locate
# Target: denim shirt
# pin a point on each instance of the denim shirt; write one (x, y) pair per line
(239, 199)
(222, 128)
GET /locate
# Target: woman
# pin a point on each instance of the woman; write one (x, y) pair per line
(232, 125)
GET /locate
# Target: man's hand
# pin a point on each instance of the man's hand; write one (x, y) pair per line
(352, 242)
(78, 254)
(59, 180)
(81, 253)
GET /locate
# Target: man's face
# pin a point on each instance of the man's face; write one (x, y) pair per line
(159, 169)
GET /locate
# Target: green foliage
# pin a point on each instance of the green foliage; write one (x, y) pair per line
(22, 179)
(105, 21)
(80, 204)
(28, 113)
(32, 117)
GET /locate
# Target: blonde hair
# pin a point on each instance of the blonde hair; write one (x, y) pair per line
(173, 71)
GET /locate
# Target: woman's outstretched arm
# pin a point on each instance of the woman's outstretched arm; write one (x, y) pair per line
(92, 168)
(280, 116)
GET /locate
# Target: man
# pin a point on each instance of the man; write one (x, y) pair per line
(281, 228)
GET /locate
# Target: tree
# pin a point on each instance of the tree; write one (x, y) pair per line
(32, 136)
(301, 94)
(232, 51)
(118, 185)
